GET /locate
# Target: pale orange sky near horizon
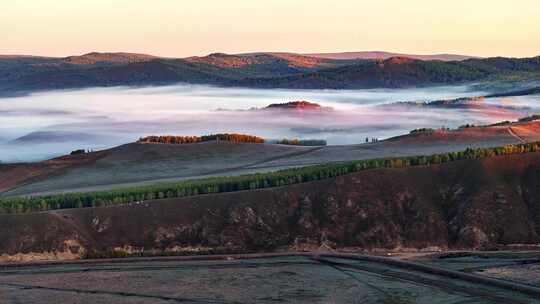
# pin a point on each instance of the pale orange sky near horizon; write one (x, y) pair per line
(185, 28)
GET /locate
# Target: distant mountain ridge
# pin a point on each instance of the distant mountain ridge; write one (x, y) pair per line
(385, 55)
(95, 57)
(258, 70)
(401, 72)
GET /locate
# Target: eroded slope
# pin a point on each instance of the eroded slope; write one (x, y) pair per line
(465, 204)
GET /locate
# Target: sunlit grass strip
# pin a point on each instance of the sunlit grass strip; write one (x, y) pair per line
(232, 137)
(244, 182)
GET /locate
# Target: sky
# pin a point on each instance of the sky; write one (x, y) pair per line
(181, 28)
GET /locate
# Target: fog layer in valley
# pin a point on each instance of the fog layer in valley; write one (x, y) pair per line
(44, 125)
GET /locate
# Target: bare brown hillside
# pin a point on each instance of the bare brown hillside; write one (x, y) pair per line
(466, 204)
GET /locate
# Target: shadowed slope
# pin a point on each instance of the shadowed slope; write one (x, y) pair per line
(463, 204)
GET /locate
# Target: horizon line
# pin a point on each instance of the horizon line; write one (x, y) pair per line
(308, 54)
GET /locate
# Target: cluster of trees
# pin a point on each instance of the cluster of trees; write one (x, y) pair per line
(530, 91)
(505, 122)
(467, 126)
(170, 139)
(529, 118)
(113, 254)
(136, 195)
(500, 123)
(422, 130)
(430, 130)
(302, 142)
(78, 152)
(373, 140)
(234, 137)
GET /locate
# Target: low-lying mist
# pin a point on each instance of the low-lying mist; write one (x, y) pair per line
(44, 125)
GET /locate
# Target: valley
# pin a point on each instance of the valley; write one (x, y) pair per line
(291, 152)
(316, 177)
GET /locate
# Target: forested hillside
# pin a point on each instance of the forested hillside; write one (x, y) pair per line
(264, 70)
(406, 72)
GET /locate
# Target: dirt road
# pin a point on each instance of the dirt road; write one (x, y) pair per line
(264, 278)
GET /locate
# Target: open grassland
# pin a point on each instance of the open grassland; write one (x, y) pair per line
(246, 182)
(139, 164)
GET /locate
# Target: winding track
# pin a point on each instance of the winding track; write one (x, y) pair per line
(122, 294)
(515, 135)
(419, 280)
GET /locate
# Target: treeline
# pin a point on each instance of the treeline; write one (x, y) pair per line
(232, 137)
(137, 195)
(422, 130)
(114, 254)
(78, 152)
(431, 130)
(302, 142)
(503, 123)
(529, 118)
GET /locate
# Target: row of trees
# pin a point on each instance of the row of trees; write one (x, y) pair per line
(431, 130)
(245, 182)
(529, 118)
(422, 130)
(302, 142)
(232, 137)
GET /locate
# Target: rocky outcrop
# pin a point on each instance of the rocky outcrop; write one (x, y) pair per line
(466, 204)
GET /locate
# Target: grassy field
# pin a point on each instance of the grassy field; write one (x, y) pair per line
(245, 182)
(135, 165)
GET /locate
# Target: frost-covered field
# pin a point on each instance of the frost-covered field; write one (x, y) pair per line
(270, 280)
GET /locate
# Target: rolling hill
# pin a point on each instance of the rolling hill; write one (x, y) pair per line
(20, 74)
(137, 164)
(398, 72)
(484, 202)
(268, 64)
(467, 204)
(386, 55)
